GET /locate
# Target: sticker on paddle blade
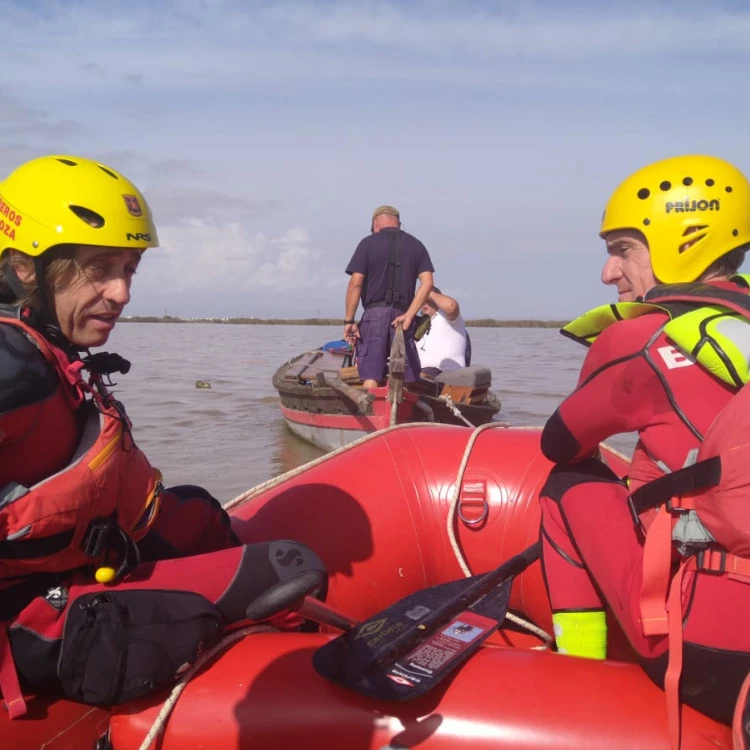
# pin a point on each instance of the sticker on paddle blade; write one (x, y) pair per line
(432, 660)
(378, 642)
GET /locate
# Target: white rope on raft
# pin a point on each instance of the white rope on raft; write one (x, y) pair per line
(259, 489)
(456, 547)
(169, 704)
(450, 521)
(450, 526)
(163, 715)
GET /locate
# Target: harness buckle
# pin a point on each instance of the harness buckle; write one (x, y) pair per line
(97, 535)
(674, 507)
(713, 562)
(634, 513)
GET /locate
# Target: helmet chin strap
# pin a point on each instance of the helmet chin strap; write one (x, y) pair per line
(13, 285)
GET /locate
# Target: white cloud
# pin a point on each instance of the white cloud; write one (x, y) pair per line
(219, 44)
(171, 203)
(497, 126)
(198, 255)
(17, 119)
(545, 31)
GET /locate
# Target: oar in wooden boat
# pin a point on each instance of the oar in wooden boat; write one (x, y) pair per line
(408, 648)
(361, 399)
(396, 365)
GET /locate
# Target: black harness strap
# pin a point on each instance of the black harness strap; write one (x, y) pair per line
(393, 290)
(699, 476)
(24, 549)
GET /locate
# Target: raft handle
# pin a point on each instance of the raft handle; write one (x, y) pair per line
(474, 493)
(474, 521)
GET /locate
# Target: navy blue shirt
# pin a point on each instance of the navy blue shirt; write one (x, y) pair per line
(371, 259)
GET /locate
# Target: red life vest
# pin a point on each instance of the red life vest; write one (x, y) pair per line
(715, 491)
(717, 483)
(107, 490)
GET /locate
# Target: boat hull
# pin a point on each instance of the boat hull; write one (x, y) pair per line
(501, 698)
(325, 438)
(376, 513)
(329, 431)
(330, 417)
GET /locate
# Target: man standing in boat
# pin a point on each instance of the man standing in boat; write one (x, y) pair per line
(384, 271)
(664, 361)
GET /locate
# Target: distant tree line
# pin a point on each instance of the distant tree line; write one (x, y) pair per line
(477, 323)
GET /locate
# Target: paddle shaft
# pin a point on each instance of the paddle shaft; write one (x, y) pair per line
(317, 611)
(323, 614)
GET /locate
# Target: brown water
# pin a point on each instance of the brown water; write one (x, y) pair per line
(231, 437)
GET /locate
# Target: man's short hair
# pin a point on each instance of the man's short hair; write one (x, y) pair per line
(389, 210)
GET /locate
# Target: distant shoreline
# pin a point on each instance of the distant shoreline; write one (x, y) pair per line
(478, 323)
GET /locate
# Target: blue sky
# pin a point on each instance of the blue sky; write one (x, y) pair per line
(263, 134)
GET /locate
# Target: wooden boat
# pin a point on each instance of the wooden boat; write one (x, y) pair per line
(391, 515)
(323, 401)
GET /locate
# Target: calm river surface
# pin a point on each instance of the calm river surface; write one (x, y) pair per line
(231, 437)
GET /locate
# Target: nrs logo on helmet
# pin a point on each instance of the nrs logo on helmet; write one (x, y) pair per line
(686, 206)
(138, 237)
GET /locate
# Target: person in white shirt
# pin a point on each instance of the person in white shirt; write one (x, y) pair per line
(443, 346)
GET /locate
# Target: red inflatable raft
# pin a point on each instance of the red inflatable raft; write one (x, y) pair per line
(377, 513)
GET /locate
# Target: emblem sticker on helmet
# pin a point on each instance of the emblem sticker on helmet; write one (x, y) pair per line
(131, 202)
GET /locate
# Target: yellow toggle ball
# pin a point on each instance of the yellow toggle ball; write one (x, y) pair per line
(105, 575)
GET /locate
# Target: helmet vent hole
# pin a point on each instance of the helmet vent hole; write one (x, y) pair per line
(687, 181)
(88, 216)
(643, 193)
(710, 182)
(109, 172)
(646, 222)
(735, 232)
(666, 185)
(694, 240)
(68, 162)
(728, 188)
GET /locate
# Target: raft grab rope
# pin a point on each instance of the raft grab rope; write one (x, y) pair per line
(163, 715)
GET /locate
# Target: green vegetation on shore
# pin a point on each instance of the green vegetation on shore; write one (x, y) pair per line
(479, 323)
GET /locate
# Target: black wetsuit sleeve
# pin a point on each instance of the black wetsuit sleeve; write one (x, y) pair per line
(25, 375)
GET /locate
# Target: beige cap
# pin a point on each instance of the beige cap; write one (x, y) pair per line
(389, 210)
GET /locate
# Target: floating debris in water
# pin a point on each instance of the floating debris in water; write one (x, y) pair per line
(202, 384)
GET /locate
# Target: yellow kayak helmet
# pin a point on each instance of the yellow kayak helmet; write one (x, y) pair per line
(64, 199)
(691, 209)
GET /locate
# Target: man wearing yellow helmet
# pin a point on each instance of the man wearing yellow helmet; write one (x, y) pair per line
(82, 512)
(663, 362)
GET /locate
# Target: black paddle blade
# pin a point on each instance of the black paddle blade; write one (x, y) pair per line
(396, 655)
(405, 650)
